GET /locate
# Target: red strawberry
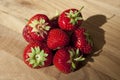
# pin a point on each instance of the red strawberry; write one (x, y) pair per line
(70, 19)
(57, 39)
(66, 59)
(37, 56)
(82, 40)
(37, 28)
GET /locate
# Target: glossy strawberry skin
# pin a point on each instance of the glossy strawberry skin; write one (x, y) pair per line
(32, 37)
(80, 41)
(64, 21)
(38, 17)
(27, 51)
(61, 59)
(57, 39)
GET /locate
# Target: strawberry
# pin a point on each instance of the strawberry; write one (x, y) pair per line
(70, 19)
(57, 38)
(66, 59)
(37, 28)
(54, 22)
(82, 40)
(37, 55)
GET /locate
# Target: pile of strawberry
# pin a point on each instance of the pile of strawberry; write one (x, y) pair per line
(60, 41)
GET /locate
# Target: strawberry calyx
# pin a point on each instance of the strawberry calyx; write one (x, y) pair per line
(40, 27)
(74, 16)
(37, 57)
(75, 56)
(88, 38)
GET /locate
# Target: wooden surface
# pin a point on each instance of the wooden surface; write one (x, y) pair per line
(101, 18)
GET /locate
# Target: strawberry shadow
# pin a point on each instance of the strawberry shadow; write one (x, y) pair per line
(93, 26)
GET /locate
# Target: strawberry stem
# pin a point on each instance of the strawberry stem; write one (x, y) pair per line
(81, 8)
(74, 16)
(40, 27)
(26, 20)
(57, 13)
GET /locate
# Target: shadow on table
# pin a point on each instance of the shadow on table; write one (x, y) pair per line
(93, 26)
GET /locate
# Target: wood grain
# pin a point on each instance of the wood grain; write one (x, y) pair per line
(101, 19)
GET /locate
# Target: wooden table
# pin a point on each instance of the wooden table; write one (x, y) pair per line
(101, 19)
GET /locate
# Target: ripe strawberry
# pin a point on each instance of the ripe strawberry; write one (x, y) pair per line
(37, 55)
(82, 40)
(70, 19)
(66, 59)
(37, 28)
(57, 39)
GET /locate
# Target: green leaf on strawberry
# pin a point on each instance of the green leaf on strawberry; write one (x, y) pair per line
(66, 59)
(74, 16)
(40, 27)
(37, 28)
(88, 38)
(37, 57)
(70, 19)
(75, 56)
